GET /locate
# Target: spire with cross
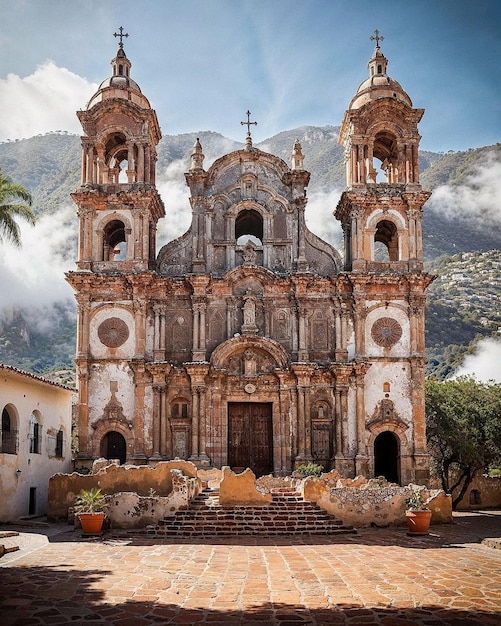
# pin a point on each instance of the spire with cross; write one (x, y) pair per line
(121, 34)
(377, 37)
(248, 123)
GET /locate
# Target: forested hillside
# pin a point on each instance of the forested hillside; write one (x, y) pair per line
(461, 233)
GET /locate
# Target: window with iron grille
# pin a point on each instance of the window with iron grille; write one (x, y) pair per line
(35, 435)
(8, 441)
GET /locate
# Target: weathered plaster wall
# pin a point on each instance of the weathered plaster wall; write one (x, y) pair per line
(99, 387)
(488, 493)
(240, 489)
(23, 394)
(113, 479)
(130, 510)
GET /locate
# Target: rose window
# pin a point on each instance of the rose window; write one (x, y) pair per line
(113, 332)
(386, 332)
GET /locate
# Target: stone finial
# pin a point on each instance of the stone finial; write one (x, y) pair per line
(297, 156)
(197, 156)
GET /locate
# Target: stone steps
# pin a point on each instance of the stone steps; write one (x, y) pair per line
(287, 514)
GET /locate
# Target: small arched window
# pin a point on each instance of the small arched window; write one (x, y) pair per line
(9, 434)
(35, 434)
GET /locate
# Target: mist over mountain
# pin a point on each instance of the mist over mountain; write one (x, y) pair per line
(37, 310)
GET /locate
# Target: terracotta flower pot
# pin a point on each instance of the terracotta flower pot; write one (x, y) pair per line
(418, 521)
(92, 523)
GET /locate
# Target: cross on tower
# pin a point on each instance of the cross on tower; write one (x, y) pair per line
(248, 123)
(377, 38)
(121, 34)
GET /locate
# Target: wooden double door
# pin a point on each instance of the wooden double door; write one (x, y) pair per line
(250, 436)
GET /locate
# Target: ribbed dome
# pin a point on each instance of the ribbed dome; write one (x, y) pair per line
(120, 85)
(379, 84)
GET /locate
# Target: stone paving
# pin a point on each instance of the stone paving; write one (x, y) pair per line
(378, 576)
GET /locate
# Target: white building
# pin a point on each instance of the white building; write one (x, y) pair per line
(35, 440)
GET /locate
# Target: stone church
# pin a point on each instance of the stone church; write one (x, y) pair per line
(249, 341)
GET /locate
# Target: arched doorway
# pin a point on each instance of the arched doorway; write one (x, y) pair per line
(114, 446)
(386, 456)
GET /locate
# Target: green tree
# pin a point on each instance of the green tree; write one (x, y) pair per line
(463, 421)
(11, 208)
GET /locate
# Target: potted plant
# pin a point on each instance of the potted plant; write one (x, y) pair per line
(417, 514)
(90, 507)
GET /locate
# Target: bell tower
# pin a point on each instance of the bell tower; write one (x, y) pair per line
(381, 218)
(381, 214)
(118, 203)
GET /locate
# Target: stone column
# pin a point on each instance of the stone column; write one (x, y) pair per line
(202, 399)
(157, 421)
(85, 451)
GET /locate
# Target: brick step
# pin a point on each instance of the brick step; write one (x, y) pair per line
(287, 514)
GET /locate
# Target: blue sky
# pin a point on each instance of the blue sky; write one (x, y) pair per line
(203, 63)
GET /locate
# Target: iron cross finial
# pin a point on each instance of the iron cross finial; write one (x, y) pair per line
(377, 38)
(121, 34)
(248, 123)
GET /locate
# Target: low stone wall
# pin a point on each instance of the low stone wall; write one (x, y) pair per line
(483, 493)
(241, 489)
(130, 510)
(365, 502)
(112, 479)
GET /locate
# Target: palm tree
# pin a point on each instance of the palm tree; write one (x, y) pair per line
(11, 208)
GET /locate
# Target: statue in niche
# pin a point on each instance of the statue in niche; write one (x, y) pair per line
(249, 253)
(249, 313)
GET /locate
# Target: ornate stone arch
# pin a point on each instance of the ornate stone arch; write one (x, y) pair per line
(112, 424)
(222, 354)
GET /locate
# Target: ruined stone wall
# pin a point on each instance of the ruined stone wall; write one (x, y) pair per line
(113, 479)
(361, 502)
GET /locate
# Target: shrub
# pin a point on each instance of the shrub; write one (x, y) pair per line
(312, 469)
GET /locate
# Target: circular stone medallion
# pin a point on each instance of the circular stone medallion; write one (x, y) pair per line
(386, 332)
(113, 332)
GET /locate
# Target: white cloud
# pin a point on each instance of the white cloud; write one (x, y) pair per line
(483, 364)
(319, 216)
(43, 102)
(33, 276)
(175, 194)
(479, 199)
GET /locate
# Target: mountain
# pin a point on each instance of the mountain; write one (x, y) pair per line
(462, 217)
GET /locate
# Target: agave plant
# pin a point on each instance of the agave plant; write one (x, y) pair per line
(90, 501)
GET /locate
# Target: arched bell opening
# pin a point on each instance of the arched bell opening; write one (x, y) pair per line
(249, 227)
(114, 446)
(386, 456)
(114, 241)
(386, 242)
(386, 151)
(116, 154)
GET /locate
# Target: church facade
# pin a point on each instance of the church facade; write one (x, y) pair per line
(249, 341)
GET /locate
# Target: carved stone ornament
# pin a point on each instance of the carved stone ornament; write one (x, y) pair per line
(113, 332)
(386, 331)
